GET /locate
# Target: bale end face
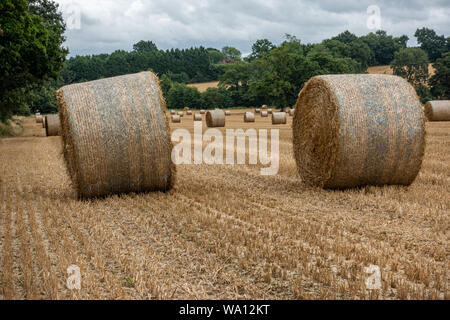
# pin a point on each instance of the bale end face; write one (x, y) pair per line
(176, 119)
(198, 117)
(116, 136)
(215, 118)
(264, 114)
(356, 130)
(249, 117)
(438, 110)
(279, 118)
(52, 125)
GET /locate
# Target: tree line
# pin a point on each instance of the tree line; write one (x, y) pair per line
(33, 64)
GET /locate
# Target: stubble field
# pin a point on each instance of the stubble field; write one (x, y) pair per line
(223, 232)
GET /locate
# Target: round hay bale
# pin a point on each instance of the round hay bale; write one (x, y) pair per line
(356, 130)
(189, 112)
(186, 109)
(249, 117)
(215, 118)
(264, 107)
(292, 112)
(269, 111)
(52, 125)
(37, 114)
(202, 111)
(43, 122)
(438, 110)
(173, 112)
(279, 118)
(228, 113)
(181, 113)
(198, 117)
(116, 135)
(287, 110)
(264, 114)
(257, 111)
(39, 119)
(176, 119)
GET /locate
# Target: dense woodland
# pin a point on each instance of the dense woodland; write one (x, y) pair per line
(33, 64)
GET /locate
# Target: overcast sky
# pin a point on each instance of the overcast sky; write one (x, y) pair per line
(102, 26)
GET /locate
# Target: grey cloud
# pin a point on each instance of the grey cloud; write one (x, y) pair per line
(111, 25)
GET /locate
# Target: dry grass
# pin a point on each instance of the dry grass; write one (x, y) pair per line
(388, 70)
(204, 85)
(223, 232)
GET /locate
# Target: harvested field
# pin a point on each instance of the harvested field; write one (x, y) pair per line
(223, 231)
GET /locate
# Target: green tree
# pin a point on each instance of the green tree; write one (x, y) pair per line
(236, 78)
(145, 46)
(215, 55)
(260, 47)
(180, 96)
(411, 64)
(31, 51)
(440, 81)
(431, 43)
(165, 84)
(217, 98)
(231, 53)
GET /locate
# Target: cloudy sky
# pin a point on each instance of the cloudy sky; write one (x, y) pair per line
(102, 26)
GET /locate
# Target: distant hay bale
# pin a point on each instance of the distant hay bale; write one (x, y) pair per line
(43, 122)
(176, 119)
(39, 119)
(202, 111)
(228, 113)
(52, 125)
(189, 112)
(356, 130)
(292, 112)
(215, 118)
(173, 112)
(438, 110)
(186, 109)
(249, 117)
(257, 111)
(264, 107)
(269, 111)
(116, 135)
(287, 110)
(279, 118)
(198, 117)
(264, 114)
(37, 114)
(181, 113)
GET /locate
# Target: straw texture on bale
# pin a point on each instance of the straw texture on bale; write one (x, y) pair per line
(39, 119)
(228, 113)
(264, 114)
(438, 110)
(356, 130)
(257, 111)
(116, 135)
(189, 112)
(52, 125)
(198, 117)
(181, 113)
(249, 117)
(215, 118)
(202, 111)
(279, 118)
(176, 118)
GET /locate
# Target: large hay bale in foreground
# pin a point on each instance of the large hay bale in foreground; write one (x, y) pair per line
(215, 118)
(52, 125)
(438, 110)
(176, 119)
(356, 130)
(279, 118)
(198, 117)
(116, 135)
(249, 117)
